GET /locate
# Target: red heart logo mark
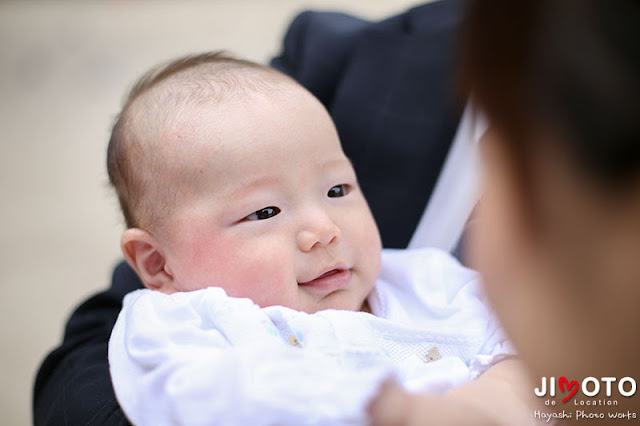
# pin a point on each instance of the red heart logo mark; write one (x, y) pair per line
(572, 387)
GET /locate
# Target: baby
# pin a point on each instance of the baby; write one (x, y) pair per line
(245, 215)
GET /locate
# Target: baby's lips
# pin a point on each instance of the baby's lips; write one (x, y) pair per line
(330, 270)
(332, 280)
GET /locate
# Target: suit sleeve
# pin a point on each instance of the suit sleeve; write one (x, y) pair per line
(73, 385)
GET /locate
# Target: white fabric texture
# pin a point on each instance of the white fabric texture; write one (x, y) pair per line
(202, 358)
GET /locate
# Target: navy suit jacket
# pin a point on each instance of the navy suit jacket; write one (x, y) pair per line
(388, 86)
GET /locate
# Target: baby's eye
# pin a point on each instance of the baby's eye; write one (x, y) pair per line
(337, 191)
(265, 213)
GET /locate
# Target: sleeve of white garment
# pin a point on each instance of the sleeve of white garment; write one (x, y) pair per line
(496, 345)
(202, 358)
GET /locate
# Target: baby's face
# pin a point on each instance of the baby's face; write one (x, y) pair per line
(270, 207)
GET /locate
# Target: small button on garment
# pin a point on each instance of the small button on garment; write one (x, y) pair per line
(293, 341)
(433, 354)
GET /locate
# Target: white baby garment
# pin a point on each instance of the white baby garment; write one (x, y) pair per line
(203, 358)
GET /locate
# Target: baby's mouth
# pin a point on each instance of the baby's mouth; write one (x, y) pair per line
(329, 281)
(331, 272)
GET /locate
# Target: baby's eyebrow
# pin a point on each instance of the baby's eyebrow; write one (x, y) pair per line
(260, 182)
(251, 185)
(338, 162)
(349, 160)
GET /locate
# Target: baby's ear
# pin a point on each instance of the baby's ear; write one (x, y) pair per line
(143, 253)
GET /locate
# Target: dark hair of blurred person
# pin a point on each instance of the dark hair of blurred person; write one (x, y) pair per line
(559, 237)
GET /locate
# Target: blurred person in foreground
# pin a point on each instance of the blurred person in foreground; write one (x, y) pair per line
(558, 239)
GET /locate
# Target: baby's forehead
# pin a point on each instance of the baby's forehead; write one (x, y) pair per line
(186, 119)
(194, 97)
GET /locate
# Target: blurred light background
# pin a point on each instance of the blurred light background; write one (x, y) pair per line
(64, 69)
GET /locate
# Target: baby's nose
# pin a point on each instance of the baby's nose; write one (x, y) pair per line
(320, 231)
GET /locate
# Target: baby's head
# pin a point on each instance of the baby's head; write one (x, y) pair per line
(231, 174)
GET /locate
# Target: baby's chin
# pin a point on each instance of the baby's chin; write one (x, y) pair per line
(334, 301)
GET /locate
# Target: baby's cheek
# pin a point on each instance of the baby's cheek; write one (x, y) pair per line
(368, 237)
(208, 262)
(260, 269)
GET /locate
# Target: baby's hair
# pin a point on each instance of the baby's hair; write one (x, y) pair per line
(157, 98)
